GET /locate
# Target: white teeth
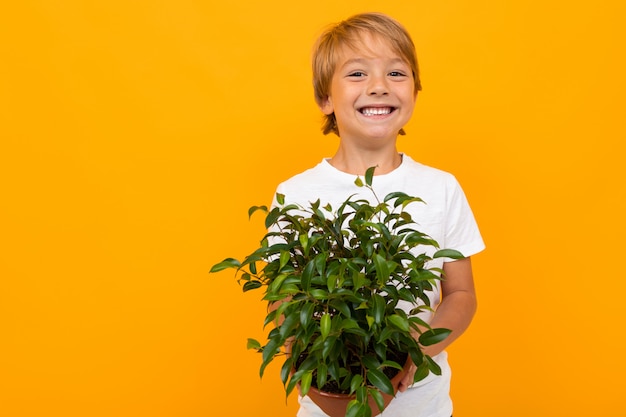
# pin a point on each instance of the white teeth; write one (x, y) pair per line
(375, 111)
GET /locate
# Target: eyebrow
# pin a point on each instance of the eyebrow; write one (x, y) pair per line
(364, 60)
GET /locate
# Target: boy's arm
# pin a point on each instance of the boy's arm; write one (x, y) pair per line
(456, 310)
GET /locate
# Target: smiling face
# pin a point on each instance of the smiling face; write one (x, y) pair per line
(372, 91)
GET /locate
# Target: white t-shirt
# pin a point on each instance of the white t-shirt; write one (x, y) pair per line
(446, 217)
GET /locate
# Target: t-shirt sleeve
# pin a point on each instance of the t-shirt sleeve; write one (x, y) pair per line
(461, 229)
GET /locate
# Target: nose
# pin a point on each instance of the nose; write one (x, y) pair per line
(377, 86)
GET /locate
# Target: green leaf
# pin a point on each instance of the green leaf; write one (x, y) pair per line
(402, 199)
(251, 285)
(280, 198)
(320, 262)
(359, 182)
(380, 381)
(254, 209)
(355, 382)
(295, 378)
(284, 258)
(342, 306)
(406, 295)
(272, 217)
(392, 364)
(304, 241)
(361, 394)
(396, 195)
(306, 313)
(347, 324)
(331, 283)
(418, 238)
(270, 317)
(322, 374)
(285, 370)
(432, 365)
(356, 409)
(430, 337)
(378, 398)
(421, 372)
(325, 323)
(307, 275)
(448, 253)
(225, 264)
(253, 344)
(269, 351)
(290, 321)
(288, 289)
(378, 308)
(415, 321)
(291, 385)
(319, 294)
(276, 283)
(358, 280)
(328, 346)
(369, 174)
(382, 268)
(386, 334)
(305, 382)
(400, 322)
(319, 213)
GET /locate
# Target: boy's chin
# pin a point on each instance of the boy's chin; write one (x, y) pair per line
(371, 138)
(382, 133)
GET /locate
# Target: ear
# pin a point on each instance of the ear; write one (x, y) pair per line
(326, 106)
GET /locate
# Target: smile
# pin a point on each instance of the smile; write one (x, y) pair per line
(376, 111)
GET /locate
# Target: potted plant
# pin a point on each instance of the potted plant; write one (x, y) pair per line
(333, 278)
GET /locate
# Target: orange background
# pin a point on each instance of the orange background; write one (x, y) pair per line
(136, 134)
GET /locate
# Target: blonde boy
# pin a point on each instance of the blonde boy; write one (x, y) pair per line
(366, 80)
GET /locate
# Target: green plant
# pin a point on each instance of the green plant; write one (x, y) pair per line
(333, 279)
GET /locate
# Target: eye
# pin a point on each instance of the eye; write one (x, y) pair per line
(397, 74)
(356, 74)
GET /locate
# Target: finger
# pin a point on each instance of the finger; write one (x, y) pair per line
(404, 383)
(408, 379)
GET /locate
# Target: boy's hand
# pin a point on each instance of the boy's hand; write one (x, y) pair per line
(407, 381)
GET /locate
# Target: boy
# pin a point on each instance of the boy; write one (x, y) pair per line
(366, 81)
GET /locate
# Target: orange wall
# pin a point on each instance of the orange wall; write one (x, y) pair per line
(135, 135)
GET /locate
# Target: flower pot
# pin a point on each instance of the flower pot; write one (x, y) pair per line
(335, 405)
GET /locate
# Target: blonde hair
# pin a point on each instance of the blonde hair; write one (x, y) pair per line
(349, 33)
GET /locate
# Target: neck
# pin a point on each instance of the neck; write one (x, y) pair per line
(357, 163)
